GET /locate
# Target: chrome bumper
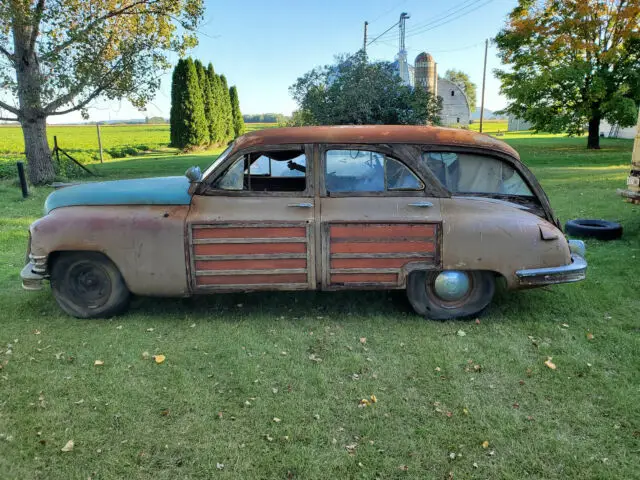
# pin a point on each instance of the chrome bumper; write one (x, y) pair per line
(34, 273)
(574, 272)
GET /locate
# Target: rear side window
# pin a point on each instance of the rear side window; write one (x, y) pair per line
(471, 173)
(367, 171)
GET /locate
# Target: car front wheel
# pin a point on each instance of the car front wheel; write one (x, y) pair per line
(444, 295)
(88, 285)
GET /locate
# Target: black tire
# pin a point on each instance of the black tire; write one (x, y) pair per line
(598, 229)
(426, 302)
(88, 285)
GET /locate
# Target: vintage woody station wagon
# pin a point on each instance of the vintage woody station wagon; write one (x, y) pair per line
(442, 213)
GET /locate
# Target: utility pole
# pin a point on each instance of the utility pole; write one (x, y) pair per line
(484, 79)
(364, 45)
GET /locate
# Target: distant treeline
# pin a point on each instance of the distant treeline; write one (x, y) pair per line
(265, 118)
(204, 110)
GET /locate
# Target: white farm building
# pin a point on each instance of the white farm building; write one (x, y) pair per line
(424, 74)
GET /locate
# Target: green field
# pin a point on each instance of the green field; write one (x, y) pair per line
(236, 363)
(81, 141)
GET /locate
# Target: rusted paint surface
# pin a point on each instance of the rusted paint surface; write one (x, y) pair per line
(482, 235)
(374, 134)
(145, 242)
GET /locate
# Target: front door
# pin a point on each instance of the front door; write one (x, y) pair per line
(377, 221)
(253, 228)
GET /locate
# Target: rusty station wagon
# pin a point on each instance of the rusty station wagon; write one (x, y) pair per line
(442, 213)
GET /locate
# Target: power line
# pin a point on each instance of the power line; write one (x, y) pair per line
(445, 14)
(387, 12)
(449, 21)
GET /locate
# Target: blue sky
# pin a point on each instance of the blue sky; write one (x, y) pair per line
(262, 47)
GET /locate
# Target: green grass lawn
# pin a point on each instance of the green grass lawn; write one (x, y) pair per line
(239, 397)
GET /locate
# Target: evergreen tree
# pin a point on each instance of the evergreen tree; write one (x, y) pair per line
(238, 121)
(215, 121)
(187, 109)
(203, 82)
(176, 116)
(229, 132)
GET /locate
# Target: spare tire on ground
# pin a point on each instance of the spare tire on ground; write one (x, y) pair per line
(598, 229)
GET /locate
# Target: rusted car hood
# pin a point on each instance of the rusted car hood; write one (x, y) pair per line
(143, 191)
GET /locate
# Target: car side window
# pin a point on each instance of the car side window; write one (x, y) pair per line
(269, 171)
(367, 171)
(471, 173)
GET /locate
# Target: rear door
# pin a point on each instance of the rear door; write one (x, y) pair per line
(253, 227)
(377, 221)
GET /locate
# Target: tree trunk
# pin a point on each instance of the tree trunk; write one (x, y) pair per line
(593, 142)
(37, 151)
(31, 115)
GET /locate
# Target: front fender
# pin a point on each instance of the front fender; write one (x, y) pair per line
(483, 235)
(146, 243)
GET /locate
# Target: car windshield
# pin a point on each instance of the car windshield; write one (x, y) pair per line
(217, 161)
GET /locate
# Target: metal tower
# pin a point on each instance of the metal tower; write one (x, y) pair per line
(402, 52)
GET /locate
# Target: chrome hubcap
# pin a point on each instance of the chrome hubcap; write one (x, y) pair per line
(451, 285)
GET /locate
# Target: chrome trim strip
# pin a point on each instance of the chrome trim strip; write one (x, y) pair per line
(574, 272)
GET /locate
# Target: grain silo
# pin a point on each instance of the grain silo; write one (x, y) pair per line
(426, 75)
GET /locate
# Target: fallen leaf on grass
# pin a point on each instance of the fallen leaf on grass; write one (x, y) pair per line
(364, 403)
(485, 444)
(159, 358)
(98, 363)
(149, 329)
(477, 321)
(351, 448)
(461, 333)
(145, 355)
(516, 405)
(79, 402)
(68, 447)
(36, 332)
(449, 414)
(363, 340)
(437, 369)
(268, 437)
(314, 358)
(165, 412)
(550, 364)
(220, 466)
(276, 419)
(274, 390)
(589, 336)
(404, 468)
(374, 399)
(119, 327)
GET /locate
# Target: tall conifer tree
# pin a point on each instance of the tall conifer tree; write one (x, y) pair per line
(215, 121)
(178, 93)
(238, 121)
(228, 112)
(203, 83)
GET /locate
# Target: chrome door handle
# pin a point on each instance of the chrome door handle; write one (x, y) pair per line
(421, 204)
(301, 205)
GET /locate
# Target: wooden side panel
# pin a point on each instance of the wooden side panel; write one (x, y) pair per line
(250, 256)
(374, 254)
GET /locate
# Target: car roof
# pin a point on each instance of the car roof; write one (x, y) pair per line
(374, 134)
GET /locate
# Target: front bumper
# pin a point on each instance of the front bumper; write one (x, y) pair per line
(574, 272)
(34, 273)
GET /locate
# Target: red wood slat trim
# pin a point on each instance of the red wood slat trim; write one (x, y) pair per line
(387, 247)
(250, 232)
(250, 264)
(251, 279)
(248, 248)
(364, 278)
(372, 262)
(382, 230)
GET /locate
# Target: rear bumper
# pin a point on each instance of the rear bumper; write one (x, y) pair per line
(574, 272)
(34, 273)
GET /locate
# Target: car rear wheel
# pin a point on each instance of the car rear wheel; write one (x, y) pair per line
(88, 285)
(444, 295)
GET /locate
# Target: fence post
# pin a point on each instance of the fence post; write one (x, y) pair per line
(99, 140)
(23, 180)
(56, 149)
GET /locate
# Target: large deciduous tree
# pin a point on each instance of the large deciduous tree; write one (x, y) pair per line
(57, 56)
(573, 63)
(354, 91)
(238, 121)
(464, 82)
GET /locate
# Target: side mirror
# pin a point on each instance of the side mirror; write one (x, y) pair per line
(194, 174)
